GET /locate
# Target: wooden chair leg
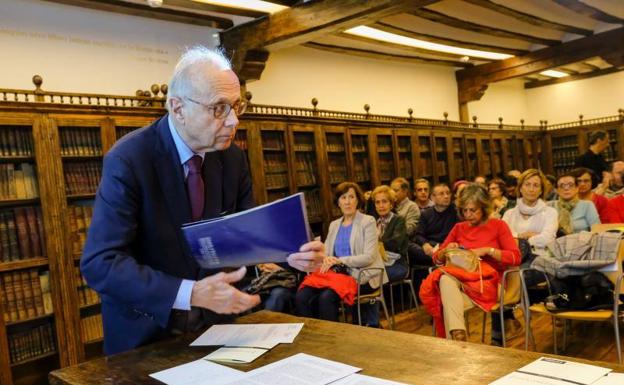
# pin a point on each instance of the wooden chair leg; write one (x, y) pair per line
(554, 328)
(483, 327)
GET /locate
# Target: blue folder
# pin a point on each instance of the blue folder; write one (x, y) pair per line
(267, 233)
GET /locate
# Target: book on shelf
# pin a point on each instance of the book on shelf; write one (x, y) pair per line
(21, 234)
(37, 341)
(272, 141)
(80, 141)
(267, 233)
(22, 295)
(16, 141)
(18, 181)
(82, 177)
(86, 295)
(79, 222)
(46, 294)
(91, 328)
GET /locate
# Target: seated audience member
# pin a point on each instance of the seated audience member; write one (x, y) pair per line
(514, 174)
(434, 226)
(613, 182)
(615, 210)
(421, 187)
(458, 186)
(280, 298)
(511, 187)
(405, 208)
(352, 244)
(392, 233)
(489, 239)
(551, 190)
(575, 215)
(369, 204)
(481, 180)
(500, 203)
(586, 180)
(532, 219)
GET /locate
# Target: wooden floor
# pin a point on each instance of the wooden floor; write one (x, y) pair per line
(588, 340)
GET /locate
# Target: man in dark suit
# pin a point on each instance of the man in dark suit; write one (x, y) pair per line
(179, 169)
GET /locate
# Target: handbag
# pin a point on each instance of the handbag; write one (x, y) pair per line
(462, 258)
(267, 281)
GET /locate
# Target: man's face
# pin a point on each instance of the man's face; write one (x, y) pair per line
(400, 193)
(618, 173)
(422, 192)
(441, 196)
(195, 119)
(602, 144)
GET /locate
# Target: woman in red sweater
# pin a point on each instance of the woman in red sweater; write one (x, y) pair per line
(488, 238)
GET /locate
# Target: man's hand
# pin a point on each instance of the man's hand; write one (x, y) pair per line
(309, 258)
(215, 293)
(268, 267)
(428, 249)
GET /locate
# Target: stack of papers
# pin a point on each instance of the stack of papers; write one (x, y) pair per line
(300, 369)
(243, 343)
(552, 371)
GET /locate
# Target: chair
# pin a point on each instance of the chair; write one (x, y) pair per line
(407, 280)
(582, 315)
(371, 298)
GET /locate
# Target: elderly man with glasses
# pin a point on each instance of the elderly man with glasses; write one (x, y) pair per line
(179, 169)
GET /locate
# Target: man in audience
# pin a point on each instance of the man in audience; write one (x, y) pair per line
(179, 169)
(481, 180)
(514, 173)
(593, 159)
(613, 183)
(421, 187)
(511, 186)
(435, 224)
(405, 207)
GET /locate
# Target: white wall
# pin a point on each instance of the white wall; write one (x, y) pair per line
(81, 50)
(594, 97)
(504, 99)
(345, 83)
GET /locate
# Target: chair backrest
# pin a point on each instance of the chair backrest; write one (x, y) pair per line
(513, 288)
(613, 274)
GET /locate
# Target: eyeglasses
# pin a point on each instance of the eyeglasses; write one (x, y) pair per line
(222, 110)
(566, 185)
(471, 210)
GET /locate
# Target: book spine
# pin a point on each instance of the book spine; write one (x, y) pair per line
(22, 233)
(29, 300)
(37, 293)
(19, 296)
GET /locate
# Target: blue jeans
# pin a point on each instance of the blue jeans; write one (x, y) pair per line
(280, 299)
(396, 272)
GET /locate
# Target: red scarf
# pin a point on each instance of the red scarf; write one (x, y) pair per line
(344, 285)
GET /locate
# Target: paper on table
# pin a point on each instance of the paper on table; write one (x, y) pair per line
(611, 379)
(360, 379)
(517, 378)
(300, 369)
(235, 355)
(564, 370)
(200, 372)
(249, 335)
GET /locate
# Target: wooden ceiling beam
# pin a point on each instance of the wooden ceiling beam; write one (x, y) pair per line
(444, 40)
(471, 80)
(140, 10)
(474, 27)
(308, 21)
(586, 75)
(199, 6)
(371, 54)
(530, 19)
(589, 11)
(401, 47)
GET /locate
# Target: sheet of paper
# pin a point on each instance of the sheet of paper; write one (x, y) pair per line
(249, 335)
(516, 378)
(611, 379)
(564, 370)
(300, 369)
(235, 355)
(200, 372)
(360, 379)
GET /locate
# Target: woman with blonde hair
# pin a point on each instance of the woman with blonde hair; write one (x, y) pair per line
(392, 233)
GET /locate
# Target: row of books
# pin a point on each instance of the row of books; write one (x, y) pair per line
(276, 180)
(240, 139)
(80, 141)
(313, 203)
(335, 142)
(33, 343)
(86, 295)
(273, 140)
(91, 328)
(21, 234)
(25, 294)
(79, 222)
(306, 169)
(18, 181)
(275, 163)
(565, 141)
(82, 177)
(359, 143)
(121, 131)
(304, 141)
(384, 144)
(16, 141)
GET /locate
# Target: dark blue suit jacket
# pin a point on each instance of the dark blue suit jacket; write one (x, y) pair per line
(135, 255)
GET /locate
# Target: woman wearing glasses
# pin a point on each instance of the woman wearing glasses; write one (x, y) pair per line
(500, 203)
(490, 240)
(586, 180)
(574, 215)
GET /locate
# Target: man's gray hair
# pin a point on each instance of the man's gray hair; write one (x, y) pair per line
(183, 81)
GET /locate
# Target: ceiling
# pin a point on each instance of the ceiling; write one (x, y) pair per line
(512, 27)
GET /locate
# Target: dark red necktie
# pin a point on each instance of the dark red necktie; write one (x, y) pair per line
(195, 186)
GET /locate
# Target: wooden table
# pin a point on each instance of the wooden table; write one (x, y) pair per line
(398, 356)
